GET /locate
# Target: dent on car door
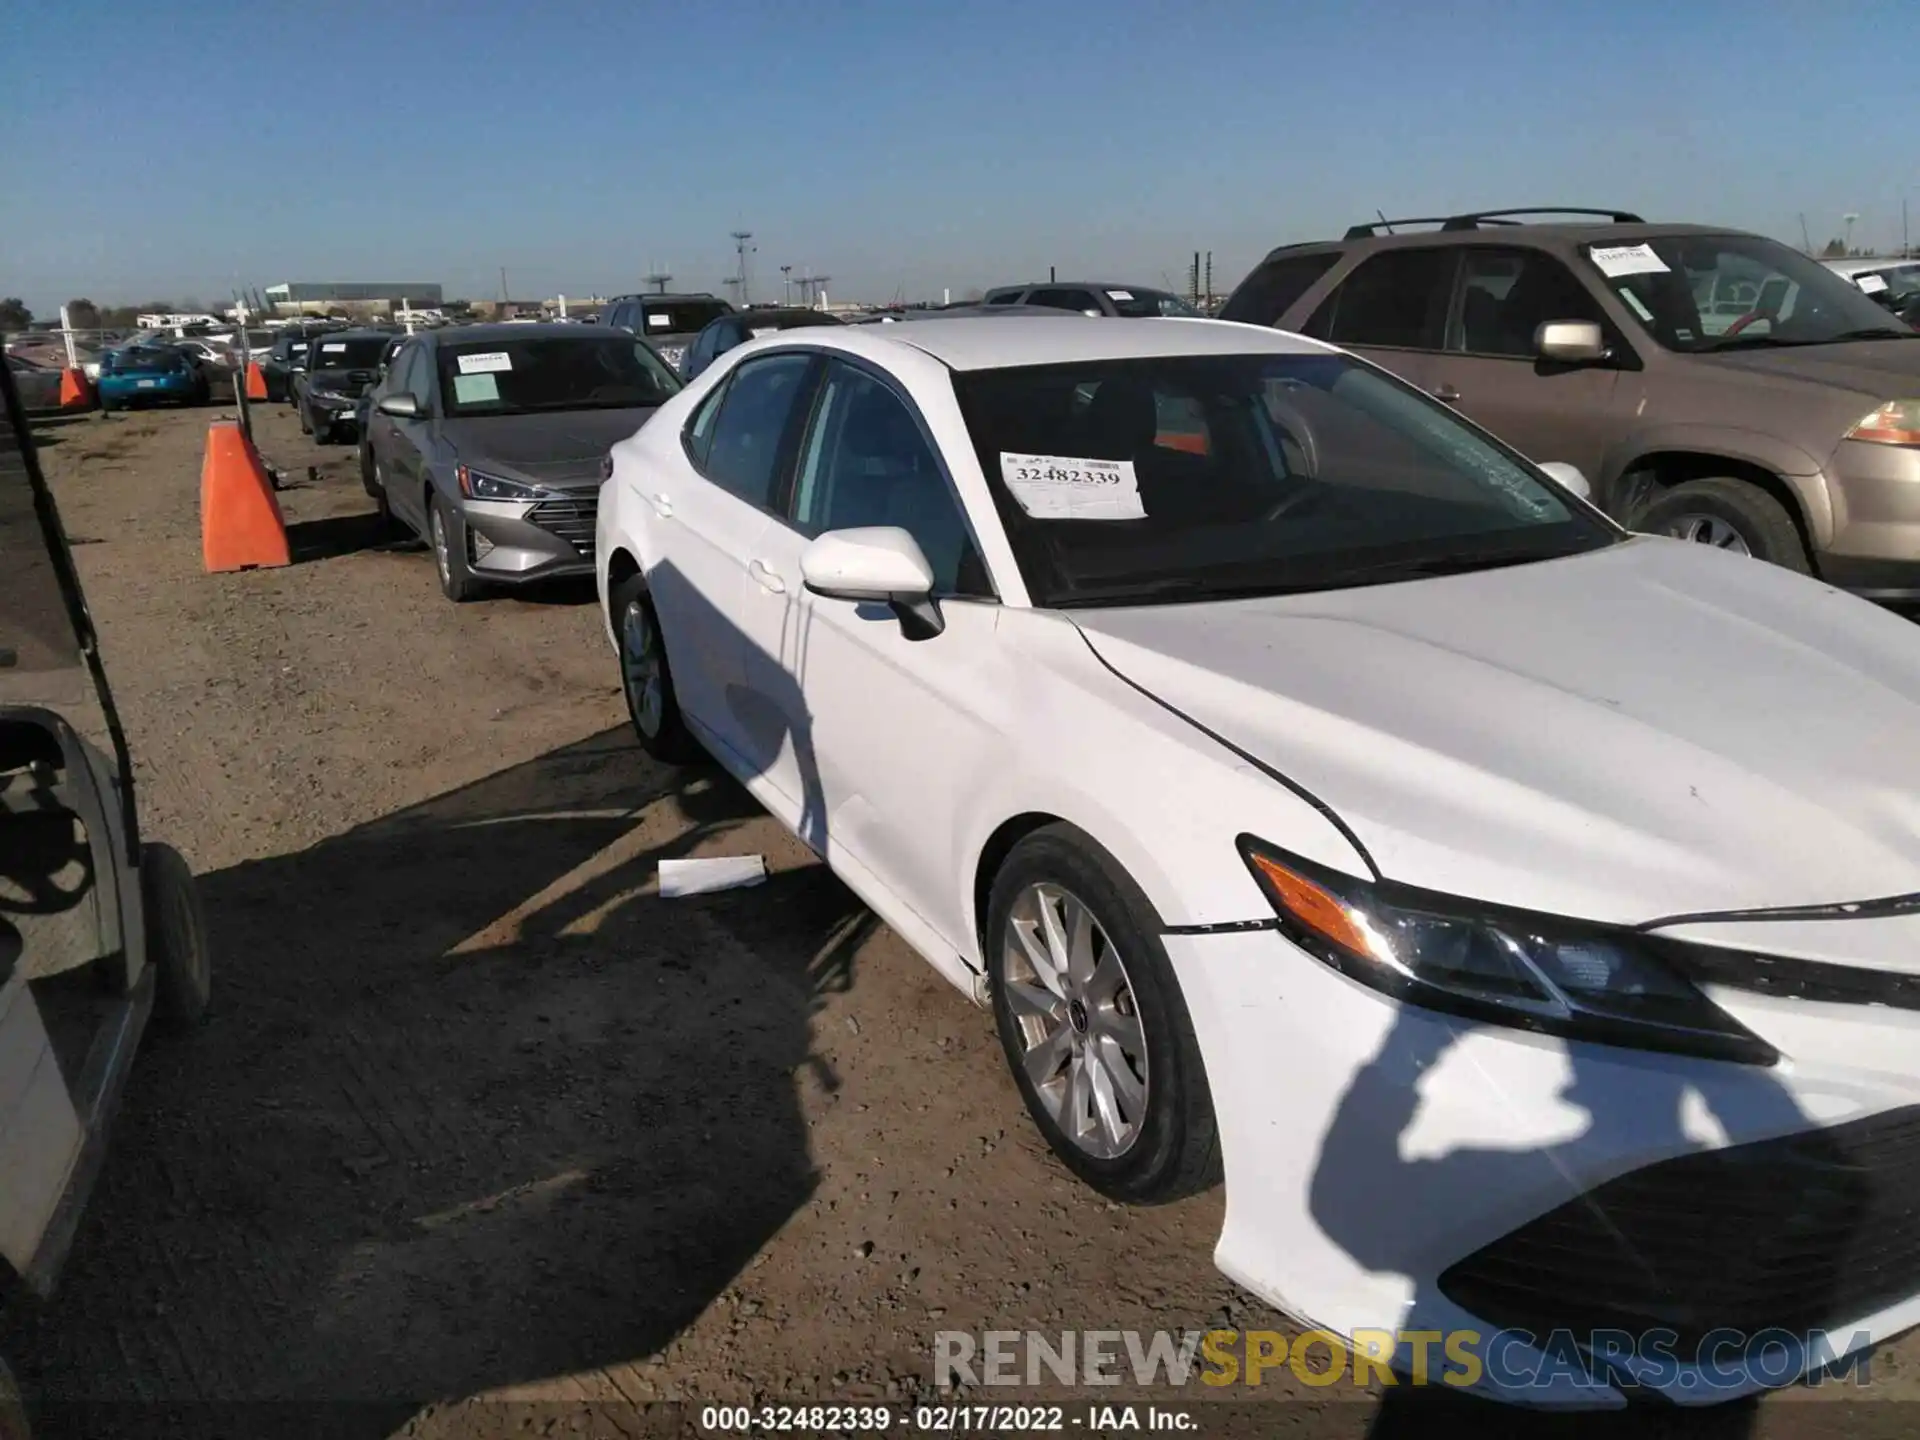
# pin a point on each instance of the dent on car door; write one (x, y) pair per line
(883, 734)
(1491, 368)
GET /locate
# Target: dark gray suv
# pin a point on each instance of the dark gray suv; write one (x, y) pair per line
(1711, 384)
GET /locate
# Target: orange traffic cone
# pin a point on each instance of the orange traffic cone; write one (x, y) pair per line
(76, 391)
(256, 381)
(240, 522)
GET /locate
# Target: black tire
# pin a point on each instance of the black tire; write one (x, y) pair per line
(1174, 1148)
(13, 1408)
(374, 492)
(306, 420)
(177, 939)
(1761, 522)
(447, 539)
(659, 727)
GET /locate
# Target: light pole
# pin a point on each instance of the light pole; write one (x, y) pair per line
(786, 285)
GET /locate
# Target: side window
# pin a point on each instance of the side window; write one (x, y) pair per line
(1004, 297)
(1505, 295)
(1397, 298)
(699, 431)
(1276, 287)
(743, 453)
(866, 462)
(621, 315)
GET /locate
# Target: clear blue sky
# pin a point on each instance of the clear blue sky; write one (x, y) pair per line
(901, 146)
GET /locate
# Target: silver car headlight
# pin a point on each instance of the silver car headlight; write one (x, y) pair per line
(1503, 967)
(478, 485)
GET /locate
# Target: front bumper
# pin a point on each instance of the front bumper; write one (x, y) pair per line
(513, 542)
(335, 416)
(1875, 549)
(1391, 1170)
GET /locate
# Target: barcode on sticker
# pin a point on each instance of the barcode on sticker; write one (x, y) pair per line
(485, 362)
(1064, 487)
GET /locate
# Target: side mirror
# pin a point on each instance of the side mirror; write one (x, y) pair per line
(401, 407)
(1570, 342)
(1569, 476)
(880, 564)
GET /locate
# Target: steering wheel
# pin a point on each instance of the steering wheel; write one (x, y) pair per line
(1745, 320)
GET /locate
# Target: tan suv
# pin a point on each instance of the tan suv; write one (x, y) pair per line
(1711, 384)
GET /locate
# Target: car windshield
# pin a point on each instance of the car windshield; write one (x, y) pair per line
(552, 372)
(1902, 283)
(360, 353)
(146, 358)
(680, 317)
(1157, 480)
(1145, 304)
(1700, 293)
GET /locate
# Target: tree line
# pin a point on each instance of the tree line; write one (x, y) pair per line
(85, 315)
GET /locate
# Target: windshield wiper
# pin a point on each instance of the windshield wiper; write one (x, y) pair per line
(1748, 342)
(1874, 332)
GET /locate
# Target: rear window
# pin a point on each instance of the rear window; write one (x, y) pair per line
(680, 317)
(1133, 304)
(349, 354)
(130, 360)
(1276, 287)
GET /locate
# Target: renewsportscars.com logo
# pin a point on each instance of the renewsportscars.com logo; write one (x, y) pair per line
(1731, 1360)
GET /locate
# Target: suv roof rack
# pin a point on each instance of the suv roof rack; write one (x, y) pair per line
(1477, 219)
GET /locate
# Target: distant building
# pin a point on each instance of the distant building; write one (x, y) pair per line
(317, 296)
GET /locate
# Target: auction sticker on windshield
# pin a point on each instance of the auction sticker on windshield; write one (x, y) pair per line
(1871, 284)
(333, 349)
(485, 362)
(1061, 487)
(1615, 261)
(475, 389)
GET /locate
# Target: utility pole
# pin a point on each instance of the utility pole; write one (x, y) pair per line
(1193, 279)
(786, 285)
(741, 250)
(1806, 240)
(1848, 219)
(658, 279)
(1209, 289)
(503, 284)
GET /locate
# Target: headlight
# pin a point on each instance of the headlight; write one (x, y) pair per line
(478, 485)
(1895, 423)
(1503, 967)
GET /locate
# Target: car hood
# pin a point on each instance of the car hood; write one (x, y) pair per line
(1649, 730)
(1881, 369)
(562, 449)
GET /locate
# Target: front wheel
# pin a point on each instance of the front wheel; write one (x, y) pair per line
(1727, 514)
(1093, 1022)
(457, 580)
(645, 678)
(177, 944)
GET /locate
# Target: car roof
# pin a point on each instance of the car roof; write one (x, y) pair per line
(335, 336)
(1081, 285)
(669, 296)
(512, 330)
(1869, 264)
(964, 344)
(1566, 233)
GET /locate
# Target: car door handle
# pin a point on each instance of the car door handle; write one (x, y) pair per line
(661, 504)
(766, 578)
(1446, 393)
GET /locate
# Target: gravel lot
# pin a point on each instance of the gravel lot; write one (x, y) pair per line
(477, 1114)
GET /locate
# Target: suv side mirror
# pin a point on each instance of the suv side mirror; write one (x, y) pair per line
(1570, 342)
(876, 563)
(401, 407)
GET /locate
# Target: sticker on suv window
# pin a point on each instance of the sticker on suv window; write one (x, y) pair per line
(1870, 283)
(1615, 261)
(1119, 294)
(485, 362)
(1061, 487)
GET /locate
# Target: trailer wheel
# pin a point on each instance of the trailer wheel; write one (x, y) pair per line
(177, 943)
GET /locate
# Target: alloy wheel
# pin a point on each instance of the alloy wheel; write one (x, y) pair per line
(642, 667)
(441, 554)
(1708, 530)
(1085, 1047)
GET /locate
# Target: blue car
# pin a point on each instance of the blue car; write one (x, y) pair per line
(150, 374)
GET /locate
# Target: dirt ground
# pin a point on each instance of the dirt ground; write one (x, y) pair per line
(483, 1136)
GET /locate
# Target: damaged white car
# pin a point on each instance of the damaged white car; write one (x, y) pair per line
(1522, 914)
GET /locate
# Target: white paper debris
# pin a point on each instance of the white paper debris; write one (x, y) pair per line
(1872, 284)
(1615, 261)
(719, 872)
(1060, 487)
(485, 362)
(475, 389)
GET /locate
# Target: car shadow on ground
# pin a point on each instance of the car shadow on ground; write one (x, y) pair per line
(337, 535)
(475, 1108)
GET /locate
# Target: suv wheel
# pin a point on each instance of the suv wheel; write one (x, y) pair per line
(1728, 514)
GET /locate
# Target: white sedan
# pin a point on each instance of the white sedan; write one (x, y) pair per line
(1525, 915)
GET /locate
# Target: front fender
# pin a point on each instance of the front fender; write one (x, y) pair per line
(1799, 470)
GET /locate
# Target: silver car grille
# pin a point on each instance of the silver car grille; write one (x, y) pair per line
(571, 519)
